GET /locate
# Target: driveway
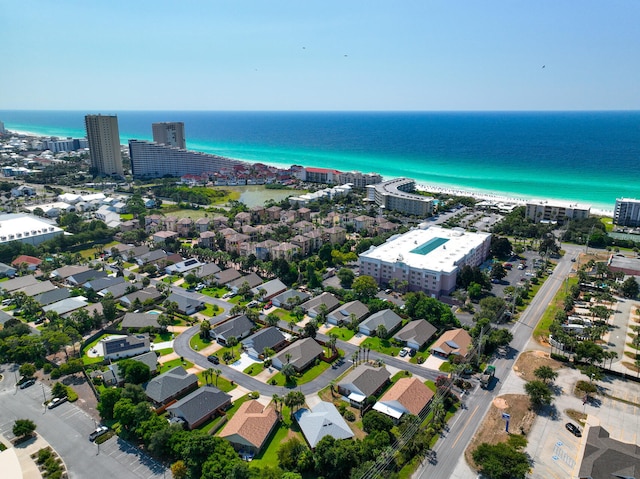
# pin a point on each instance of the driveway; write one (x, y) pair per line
(243, 363)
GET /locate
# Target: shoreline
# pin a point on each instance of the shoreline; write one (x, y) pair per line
(450, 190)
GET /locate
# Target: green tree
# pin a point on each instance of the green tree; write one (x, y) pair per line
(179, 470)
(545, 373)
(134, 372)
(497, 271)
(27, 370)
(205, 329)
(365, 287)
(59, 390)
(630, 288)
(346, 277)
(272, 319)
(232, 342)
(539, 393)
(289, 454)
(108, 400)
(294, 400)
(381, 331)
(23, 427)
(191, 279)
(501, 461)
(474, 290)
(375, 421)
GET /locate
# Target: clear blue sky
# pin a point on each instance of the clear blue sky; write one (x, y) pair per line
(290, 55)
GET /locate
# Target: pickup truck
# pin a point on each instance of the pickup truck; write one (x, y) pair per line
(486, 377)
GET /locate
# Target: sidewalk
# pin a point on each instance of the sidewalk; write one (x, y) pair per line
(22, 452)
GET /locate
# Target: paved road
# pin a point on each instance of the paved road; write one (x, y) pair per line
(451, 447)
(66, 429)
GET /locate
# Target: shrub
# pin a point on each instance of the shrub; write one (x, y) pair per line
(349, 416)
(43, 455)
(47, 368)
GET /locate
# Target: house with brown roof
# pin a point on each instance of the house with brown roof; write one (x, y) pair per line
(202, 225)
(454, 341)
(406, 396)
(335, 235)
(250, 427)
(184, 226)
(252, 279)
(207, 239)
(226, 276)
(31, 261)
(344, 314)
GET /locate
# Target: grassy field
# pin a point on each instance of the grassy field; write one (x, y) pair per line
(557, 304)
(220, 382)
(88, 253)
(344, 334)
(197, 343)
(172, 364)
(309, 375)
(382, 345)
(285, 315)
(254, 369)
(214, 292)
(210, 311)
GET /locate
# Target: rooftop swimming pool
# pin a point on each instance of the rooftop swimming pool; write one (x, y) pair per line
(429, 246)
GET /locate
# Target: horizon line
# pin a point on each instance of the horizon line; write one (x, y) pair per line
(331, 111)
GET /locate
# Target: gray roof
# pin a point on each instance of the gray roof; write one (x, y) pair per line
(365, 379)
(271, 287)
(387, 317)
(606, 458)
(118, 290)
(52, 296)
(142, 295)
(265, 338)
(226, 276)
(302, 352)
(151, 256)
(323, 420)
(199, 404)
(67, 271)
(150, 359)
(37, 288)
(102, 283)
(206, 269)
(237, 327)
(252, 279)
(184, 303)
(343, 313)
(291, 293)
(66, 305)
(126, 343)
(81, 278)
(329, 300)
(5, 268)
(169, 384)
(18, 283)
(4, 317)
(139, 320)
(418, 331)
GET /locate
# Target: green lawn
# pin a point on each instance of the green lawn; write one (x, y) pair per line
(162, 337)
(170, 279)
(309, 375)
(172, 364)
(608, 224)
(220, 382)
(126, 216)
(236, 405)
(557, 304)
(210, 424)
(197, 343)
(446, 367)
(382, 346)
(254, 369)
(214, 292)
(164, 351)
(420, 354)
(285, 315)
(209, 310)
(343, 334)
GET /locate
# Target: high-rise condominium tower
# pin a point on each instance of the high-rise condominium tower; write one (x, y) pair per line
(169, 133)
(104, 144)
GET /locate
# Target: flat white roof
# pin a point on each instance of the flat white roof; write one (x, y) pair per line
(14, 224)
(444, 248)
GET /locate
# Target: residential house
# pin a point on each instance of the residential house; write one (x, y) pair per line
(184, 227)
(186, 305)
(23, 190)
(135, 321)
(263, 249)
(67, 305)
(18, 283)
(304, 214)
(38, 288)
(406, 396)
(129, 225)
(7, 271)
(250, 427)
(252, 280)
(232, 243)
(258, 213)
(99, 284)
(300, 354)
(81, 278)
(315, 305)
(64, 272)
(206, 272)
(125, 346)
(273, 213)
(303, 227)
(362, 382)
(455, 341)
(160, 237)
(304, 243)
(284, 250)
(183, 267)
(120, 289)
(170, 385)
(112, 375)
(363, 222)
(171, 223)
(290, 298)
(31, 262)
(207, 239)
(348, 311)
(268, 290)
(316, 239)
(202, 225)
(270, 337)
(200, 406)
(322, 420)
(227, 276)
(52, 296)
(387, 318)
(239, 327)
(243, 218)
(415, 334)
(251, 231)
(335, 235)
(148, 294)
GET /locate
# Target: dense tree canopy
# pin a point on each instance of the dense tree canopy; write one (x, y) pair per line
(420, 306)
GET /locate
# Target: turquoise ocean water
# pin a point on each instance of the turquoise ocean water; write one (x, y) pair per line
(586, 157)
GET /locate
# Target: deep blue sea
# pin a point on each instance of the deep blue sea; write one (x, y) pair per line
(586, 157)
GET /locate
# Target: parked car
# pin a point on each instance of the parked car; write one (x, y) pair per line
(213, 359)
(252, 304)
(573, 429)
(27, 383)
(100, 430)
(268, 305)
(55, 402)
(403, 352)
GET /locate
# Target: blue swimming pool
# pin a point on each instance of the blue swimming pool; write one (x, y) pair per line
(429, 246)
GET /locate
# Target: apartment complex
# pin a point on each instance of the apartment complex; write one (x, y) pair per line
(334, 177)
(397, 194)
(152, 160)
(104, 144)
(425, 259)
(555, 211)
(170, 134)
(627, 212)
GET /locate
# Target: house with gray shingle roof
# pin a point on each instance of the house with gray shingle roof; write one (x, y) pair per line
(386, 317)
(118, 290)
(101, 283)
(282, 300)
(49, 297)
(170, 385)
(66, 271)
(18, 283)
(301, 354)
(8, 271)
(67, 305)
(271, 289)
(313, 306)
(134, 321)
(252, 279)
(226, 276)
(362, 382)
(200, 405)
(125, 346)
(239, 327)
(322, 420)
(78, 279)
(415, 334)
(342, 315)
(186, 305)
(270, 337)
(38, 288)
(4, 317)
(143, 295)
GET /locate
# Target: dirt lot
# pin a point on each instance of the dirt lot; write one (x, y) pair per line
(492, 429)
(529, 361)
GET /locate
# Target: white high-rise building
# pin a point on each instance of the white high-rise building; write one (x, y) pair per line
(627, 212)
(169, 133)
(104, 144)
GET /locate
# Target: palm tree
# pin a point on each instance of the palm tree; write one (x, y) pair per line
(272, 319)
(232, 342)
(217, 372)
(207, 375)
(277, 400)
(288, 371)
(332, 342)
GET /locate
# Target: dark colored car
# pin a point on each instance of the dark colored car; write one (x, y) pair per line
(213, 359)
(27, 383)
(573, 429)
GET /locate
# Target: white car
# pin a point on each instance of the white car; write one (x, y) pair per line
(97, 433)
(403, 352)
(55, 402)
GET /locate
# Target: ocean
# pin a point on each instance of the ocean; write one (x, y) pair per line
(585, 157)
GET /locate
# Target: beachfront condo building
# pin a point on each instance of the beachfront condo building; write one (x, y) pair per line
(627, 212)
(549, 211)
(169, 133)
(357, 179)
(425, 259)
(152, 160)
(398, 195)
(104, 144)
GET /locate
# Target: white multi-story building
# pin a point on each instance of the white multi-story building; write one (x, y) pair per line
(170, 134)
(151, 160)
(427, 259)
(104, 144)
(555, 211)
(627, 212)
(397, 194)
(26, 229)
